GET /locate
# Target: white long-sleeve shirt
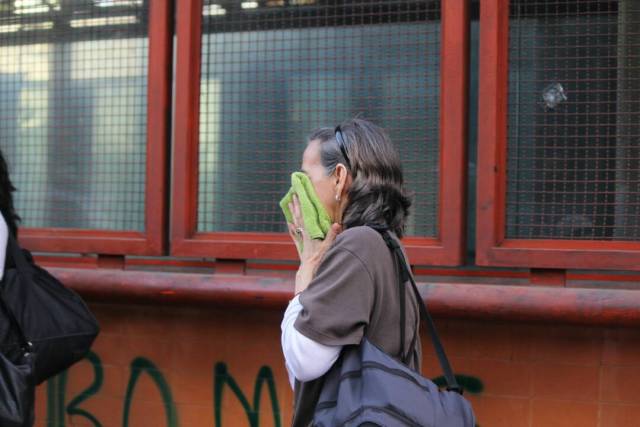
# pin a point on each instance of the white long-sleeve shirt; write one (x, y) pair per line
(305, 359)
(4, 237)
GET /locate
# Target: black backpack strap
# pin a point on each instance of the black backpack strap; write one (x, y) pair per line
(405, 274)
(452, 384)
(401, 273)
(403, 310)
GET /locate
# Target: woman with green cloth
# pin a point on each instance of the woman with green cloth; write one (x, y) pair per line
(346, 285)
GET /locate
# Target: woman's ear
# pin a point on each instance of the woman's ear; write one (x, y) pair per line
(341, 178)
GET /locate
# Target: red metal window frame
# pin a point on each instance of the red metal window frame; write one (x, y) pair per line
(492, 248)
(447, 249)
(152, 240)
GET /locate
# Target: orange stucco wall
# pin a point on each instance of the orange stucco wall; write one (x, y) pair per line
(159, 366)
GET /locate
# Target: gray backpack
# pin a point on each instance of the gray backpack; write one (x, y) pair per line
(367, 387)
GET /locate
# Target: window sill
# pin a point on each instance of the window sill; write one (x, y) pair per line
(568, 305)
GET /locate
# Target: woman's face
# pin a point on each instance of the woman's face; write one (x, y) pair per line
(326, 186)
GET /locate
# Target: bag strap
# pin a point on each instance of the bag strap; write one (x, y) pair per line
(23, 269)
(405, 274)
(18, 257)
(404, 355)
(402, 295)
(452, 384)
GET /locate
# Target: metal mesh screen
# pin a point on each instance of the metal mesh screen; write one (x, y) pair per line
(73, 79)
(273, 70)
(574, 110)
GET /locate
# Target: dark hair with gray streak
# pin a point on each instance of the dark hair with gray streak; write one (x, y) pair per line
(377, 194)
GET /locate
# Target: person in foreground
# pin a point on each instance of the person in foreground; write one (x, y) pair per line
(9, 221)
(346, 286)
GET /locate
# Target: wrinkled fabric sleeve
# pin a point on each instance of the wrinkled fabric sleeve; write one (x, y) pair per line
(338, 303)
(305, 359)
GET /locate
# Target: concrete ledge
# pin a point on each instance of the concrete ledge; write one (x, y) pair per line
(602, 307)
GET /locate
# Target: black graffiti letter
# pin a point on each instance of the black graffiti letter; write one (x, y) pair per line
(222, 377)
(138, 366)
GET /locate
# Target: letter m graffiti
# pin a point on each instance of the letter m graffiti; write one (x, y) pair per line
(222, 377)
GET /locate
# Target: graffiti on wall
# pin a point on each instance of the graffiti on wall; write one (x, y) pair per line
(59, 405)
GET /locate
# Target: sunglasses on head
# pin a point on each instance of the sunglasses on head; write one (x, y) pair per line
(341, 144)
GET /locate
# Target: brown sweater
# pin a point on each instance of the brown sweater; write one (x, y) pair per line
(355, 294)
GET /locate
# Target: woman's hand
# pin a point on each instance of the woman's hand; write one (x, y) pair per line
(311, 251)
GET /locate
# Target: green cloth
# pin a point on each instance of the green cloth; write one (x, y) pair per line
(316, 219)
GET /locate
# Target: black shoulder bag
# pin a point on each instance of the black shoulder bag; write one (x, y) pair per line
(17, 386)
(39, 316)
(367, 387)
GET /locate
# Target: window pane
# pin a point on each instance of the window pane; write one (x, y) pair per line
(573, 152)
(73, 107)
(272, 73)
